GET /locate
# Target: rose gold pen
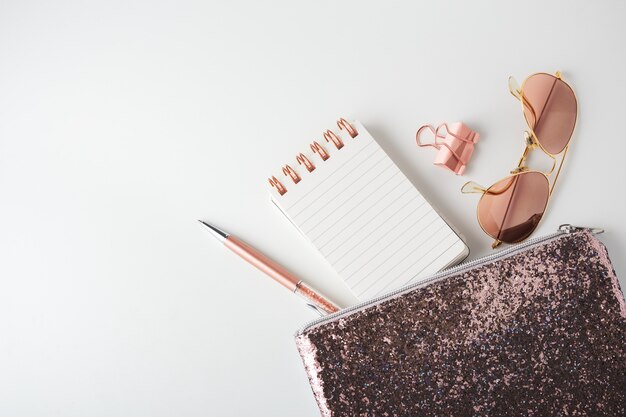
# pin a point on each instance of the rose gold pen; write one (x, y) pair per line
(312, 297)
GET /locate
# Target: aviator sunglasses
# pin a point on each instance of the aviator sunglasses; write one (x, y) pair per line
(510, 210)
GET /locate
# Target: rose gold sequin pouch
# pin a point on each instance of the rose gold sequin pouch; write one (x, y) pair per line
(538, 329)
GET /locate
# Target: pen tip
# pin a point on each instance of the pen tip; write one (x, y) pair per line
(216, 232)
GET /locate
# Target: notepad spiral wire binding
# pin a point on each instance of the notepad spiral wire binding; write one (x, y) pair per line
(316, 148)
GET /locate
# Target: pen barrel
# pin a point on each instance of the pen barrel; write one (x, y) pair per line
(263, 263)
(315, 298)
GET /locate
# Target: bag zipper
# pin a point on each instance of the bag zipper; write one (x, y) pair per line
(563, 229)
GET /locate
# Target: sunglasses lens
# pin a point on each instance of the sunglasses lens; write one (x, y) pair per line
(511, 208)
(550, 108)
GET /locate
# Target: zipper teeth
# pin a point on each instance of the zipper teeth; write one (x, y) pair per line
(432, 278)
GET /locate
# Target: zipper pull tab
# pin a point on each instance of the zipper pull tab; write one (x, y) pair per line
(568, 228)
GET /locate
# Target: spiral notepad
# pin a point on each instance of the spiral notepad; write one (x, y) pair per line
(365, 217)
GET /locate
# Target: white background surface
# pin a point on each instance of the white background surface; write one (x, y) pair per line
(121, 123)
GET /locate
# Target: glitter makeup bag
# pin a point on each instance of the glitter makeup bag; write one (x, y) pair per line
(538, 329)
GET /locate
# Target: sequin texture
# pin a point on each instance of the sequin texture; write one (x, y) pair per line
(538, 333)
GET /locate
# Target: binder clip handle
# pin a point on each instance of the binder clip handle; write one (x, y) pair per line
(454, 143)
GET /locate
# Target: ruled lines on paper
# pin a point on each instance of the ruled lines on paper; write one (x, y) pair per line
(369, 221)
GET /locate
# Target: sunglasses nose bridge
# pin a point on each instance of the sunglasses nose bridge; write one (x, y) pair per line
(530, 145)
(530, 139)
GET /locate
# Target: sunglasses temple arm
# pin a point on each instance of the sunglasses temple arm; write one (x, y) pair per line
(514, 88)
(516, 92)
(471, 187)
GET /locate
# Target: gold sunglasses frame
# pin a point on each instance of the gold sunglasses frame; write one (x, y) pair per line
(532, 143)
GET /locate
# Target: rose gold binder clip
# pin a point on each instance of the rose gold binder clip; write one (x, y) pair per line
(330, 136)
(303, 160)
(317, 148)
(343, 124)
(278, 185)
(455, 147)
(289, 172)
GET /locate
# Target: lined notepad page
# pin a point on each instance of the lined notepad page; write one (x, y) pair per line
(367, 219)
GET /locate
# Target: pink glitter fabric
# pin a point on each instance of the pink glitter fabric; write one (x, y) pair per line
(538, 333)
